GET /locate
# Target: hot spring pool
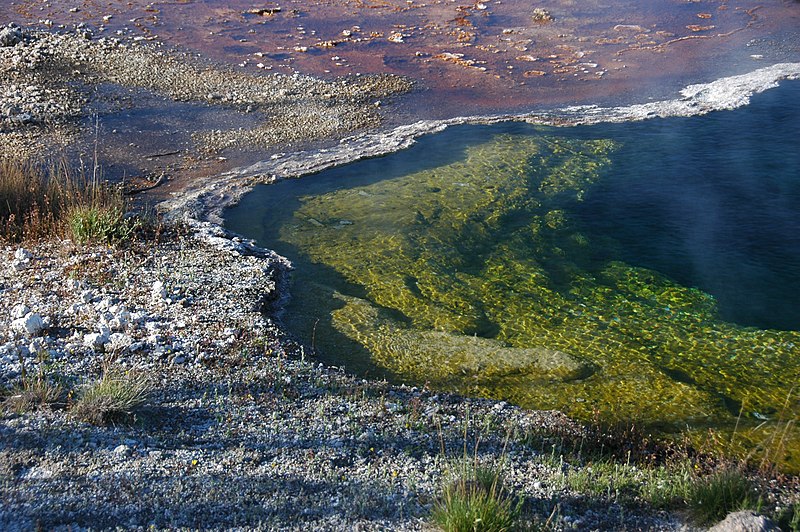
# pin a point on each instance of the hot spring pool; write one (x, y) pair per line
(644, 272)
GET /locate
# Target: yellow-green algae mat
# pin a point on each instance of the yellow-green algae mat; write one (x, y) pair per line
(471, 283)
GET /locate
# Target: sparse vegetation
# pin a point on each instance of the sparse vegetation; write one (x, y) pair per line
(712, 497)
(475, 500)
(789, 518)
(33, 393)
(115, 397)
(36, 203)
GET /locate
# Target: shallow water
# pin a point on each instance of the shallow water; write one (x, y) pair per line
(643, 271)
(469, 57)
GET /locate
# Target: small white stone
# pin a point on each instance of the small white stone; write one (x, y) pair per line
(32, 324)
(95, 339)
(37, 345)
(122, 450)
(120, 341)
(103, 304)
(158, 291)
(19, 311)
(23, 254)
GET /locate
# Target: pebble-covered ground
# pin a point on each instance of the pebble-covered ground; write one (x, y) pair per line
(51, 84)
(242, 428)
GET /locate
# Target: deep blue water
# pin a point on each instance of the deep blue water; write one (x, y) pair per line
(712, 202)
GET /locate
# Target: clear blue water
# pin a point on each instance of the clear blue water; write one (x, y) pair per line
(657, 262)
(712, 202)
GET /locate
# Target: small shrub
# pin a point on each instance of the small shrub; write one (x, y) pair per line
(34, 393)
(712, 497)
(115, 397)
(90, 223)
(476, 501)
(39, 203)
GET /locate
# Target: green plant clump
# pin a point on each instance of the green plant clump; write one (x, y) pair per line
(713, 496)
(115, 397)
(476, 501)
(100, 224)
(33, 393)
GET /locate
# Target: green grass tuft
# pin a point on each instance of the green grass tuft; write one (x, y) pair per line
(115, 397)
(31, 394)
(99, 223)
(712, 497)
(476, 501)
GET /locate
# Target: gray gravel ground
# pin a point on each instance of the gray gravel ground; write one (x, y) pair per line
(242, 430)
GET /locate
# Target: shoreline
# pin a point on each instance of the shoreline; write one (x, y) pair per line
(223, 190)
(242, 431)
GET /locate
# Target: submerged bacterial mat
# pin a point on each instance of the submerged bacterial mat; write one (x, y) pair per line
(643, 272)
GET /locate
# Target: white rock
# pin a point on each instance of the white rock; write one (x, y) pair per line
(87, 296)
(158, 292)
(119, 321)
(10, 36)
(122, 450)
(96, 339)
(745, 521)
(120, 341)
(37, 345)
(23, 254)
(32, 324)
(103, 304)
(19, 311)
